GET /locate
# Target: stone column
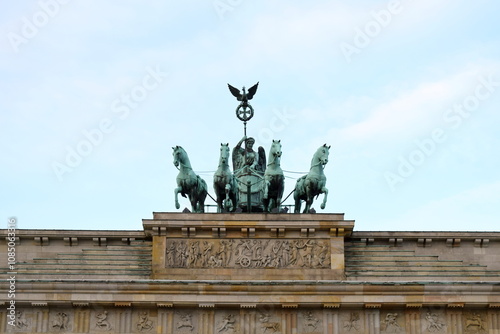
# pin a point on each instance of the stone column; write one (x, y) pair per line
(337, 255)
(82, 320)
(206, 321)
(413, 323)
(331, 321)
(248, 321)
(124, 323)
(158, 254)
(372, 321)
(494, 321)
(165, 321)
(3, 322)
(289, 322)
(454, 322)
(41, 320)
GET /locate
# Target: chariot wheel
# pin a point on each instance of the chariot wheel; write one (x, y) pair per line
(245, 261)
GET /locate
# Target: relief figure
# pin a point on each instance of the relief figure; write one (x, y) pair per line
(21, 321)
(352, 323)
(266, 325)
(310, 322)
(144, 323)
(61, 321)
(474, 324)
(433, 323)
(390, 324)
(228, 323)
(185, 322)
(102, 322)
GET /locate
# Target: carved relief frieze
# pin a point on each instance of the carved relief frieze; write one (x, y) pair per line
(23, 321)
(434, 322)
(248, 253)
(144, 322)
(228, 322)
(391, 323)
(260, 320)
(311, 322)
(60, 322)
(268, 322)
(352, 322)
(102, 321)
(475, 323)
(184, 322)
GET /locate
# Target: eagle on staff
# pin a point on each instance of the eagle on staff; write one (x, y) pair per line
(245, 96)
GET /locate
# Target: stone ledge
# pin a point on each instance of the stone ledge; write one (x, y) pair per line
(422, 237)
(247, 225)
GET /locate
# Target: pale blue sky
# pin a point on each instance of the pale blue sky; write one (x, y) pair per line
(407, 93)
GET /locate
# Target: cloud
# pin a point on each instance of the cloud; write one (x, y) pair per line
(469, 209)
(414, 111)
(295, 34)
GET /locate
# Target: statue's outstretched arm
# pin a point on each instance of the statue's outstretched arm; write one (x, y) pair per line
(241, 141)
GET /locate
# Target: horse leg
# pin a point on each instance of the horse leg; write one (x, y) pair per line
(234, 201)
(308, 205)
(272, 204)
(279, 196)
(227, 199)
(265, 195)
(309, 197)
(325, 191)
(176, 192)
(266, 188)
(297, 202)
(218, 198)
(200, 194)
(201, 205)
(232, 197)
(234, 194)
(194, 202)
(219, 203)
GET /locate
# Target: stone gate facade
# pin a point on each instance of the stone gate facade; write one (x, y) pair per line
(250, 273)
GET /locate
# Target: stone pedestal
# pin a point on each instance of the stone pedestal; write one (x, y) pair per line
(253, 246)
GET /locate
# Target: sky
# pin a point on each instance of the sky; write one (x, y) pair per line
(94, 95)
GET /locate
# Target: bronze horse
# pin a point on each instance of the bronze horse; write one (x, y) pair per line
(274, 180)
(225, 187)
(188, 183)
(314, 182)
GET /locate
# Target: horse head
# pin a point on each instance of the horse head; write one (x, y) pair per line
(275, 151)
(224, 154)
(180, 156)
(321, 155)
(276, 148)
